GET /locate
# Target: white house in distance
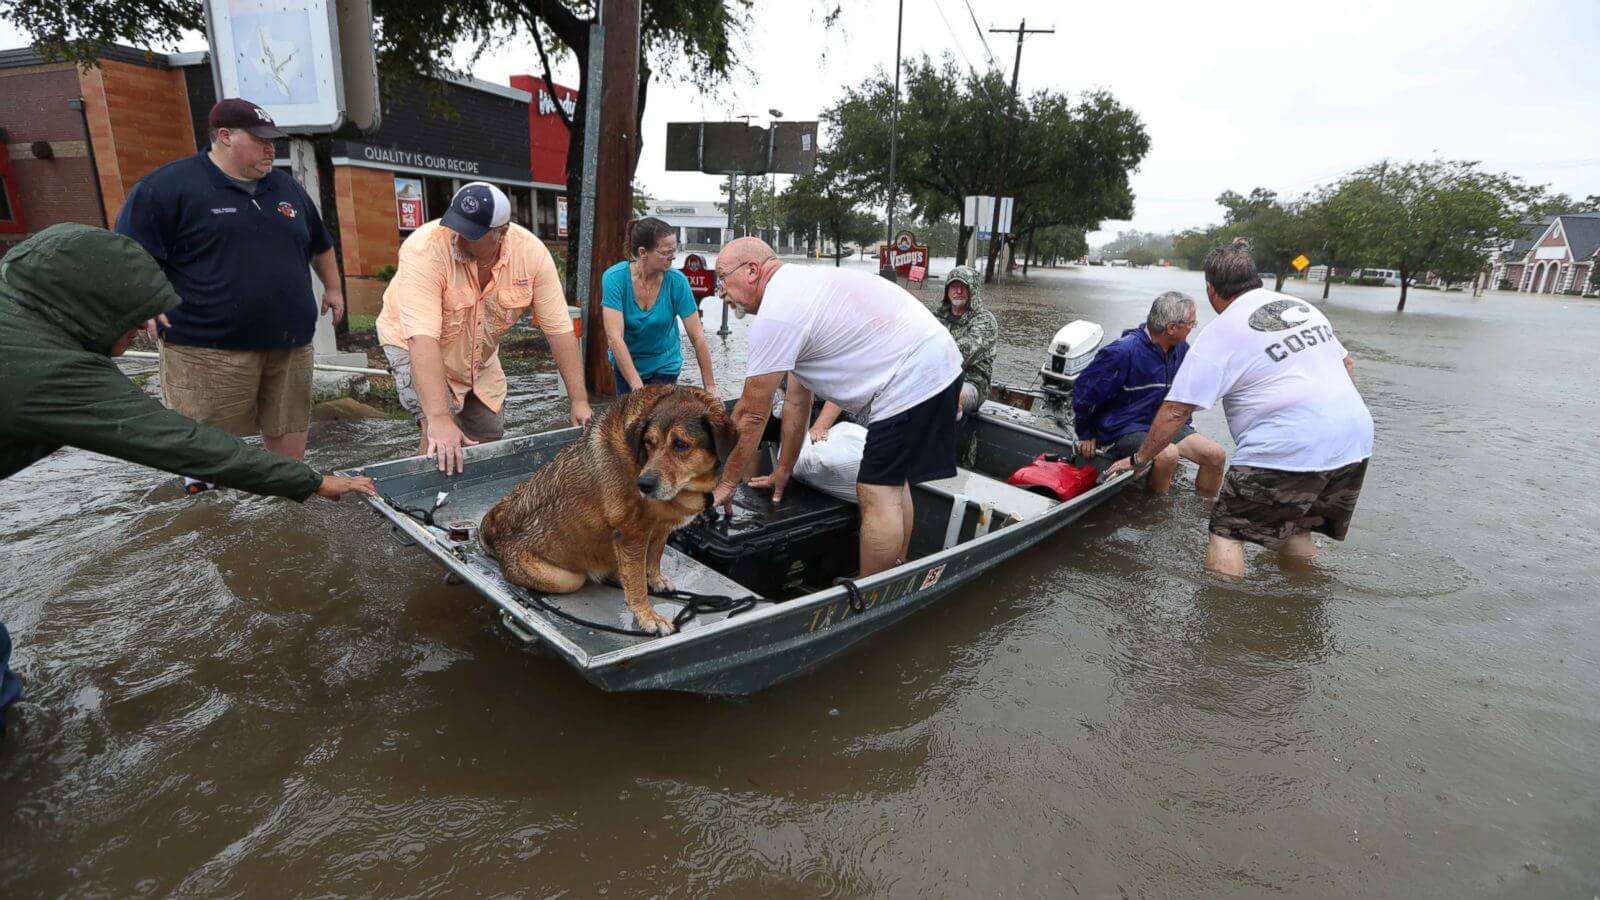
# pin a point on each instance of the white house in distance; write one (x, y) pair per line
(700, 223)
(1555, 257)
(703, 225)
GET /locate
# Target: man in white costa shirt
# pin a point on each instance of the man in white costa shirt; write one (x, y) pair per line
(868, 346)
(1288, 388)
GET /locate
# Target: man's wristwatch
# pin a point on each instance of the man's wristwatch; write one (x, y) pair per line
(1138, 467)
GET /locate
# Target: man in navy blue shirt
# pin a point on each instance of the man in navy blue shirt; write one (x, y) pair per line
(238, 240)
(1116, 397)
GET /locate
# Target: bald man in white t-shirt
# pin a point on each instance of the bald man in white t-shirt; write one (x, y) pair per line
(864, 344)
(1288, 388)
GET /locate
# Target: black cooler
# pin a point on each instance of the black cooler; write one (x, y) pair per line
(778, 550)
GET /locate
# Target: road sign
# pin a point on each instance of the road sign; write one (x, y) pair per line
(702, 281)
(1300, 262)
(738, 148)
(979, 211)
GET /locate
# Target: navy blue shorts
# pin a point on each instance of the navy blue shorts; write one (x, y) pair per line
(659, 378)
(1129, 443)
(913, 446)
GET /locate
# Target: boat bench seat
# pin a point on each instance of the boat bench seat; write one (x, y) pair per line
(992, 497)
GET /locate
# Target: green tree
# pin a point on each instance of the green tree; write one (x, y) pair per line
(1190, 246)
(1069, 165)
(827, 196)
(1059, 242)
(685, 40)
(1278, 231)
(1440, 216)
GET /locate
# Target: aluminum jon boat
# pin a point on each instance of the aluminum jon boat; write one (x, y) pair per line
(965, 526)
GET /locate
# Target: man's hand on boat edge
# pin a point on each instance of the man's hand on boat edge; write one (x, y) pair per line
(334, 487)
(775, 482)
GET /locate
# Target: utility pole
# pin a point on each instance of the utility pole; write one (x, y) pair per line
(616, 152)
(1021, 31)
(894, 119)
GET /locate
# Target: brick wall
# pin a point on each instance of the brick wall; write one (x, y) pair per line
(59, 189)
(368, 228)
(139, 119)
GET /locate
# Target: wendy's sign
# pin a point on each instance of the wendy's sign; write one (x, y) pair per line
(904, 253)
(702, 281)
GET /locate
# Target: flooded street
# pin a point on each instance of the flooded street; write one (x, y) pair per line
(235, 696)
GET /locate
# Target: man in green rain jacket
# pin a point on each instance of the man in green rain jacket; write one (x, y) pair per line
(975, 331)
(72, 297)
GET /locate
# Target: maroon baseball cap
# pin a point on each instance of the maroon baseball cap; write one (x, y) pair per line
(235, 112)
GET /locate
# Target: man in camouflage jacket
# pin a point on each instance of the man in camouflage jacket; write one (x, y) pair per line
(975, 331)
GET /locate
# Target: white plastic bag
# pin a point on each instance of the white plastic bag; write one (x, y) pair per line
(832, 465)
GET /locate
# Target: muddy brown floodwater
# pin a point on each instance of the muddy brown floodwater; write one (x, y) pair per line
(233, 696)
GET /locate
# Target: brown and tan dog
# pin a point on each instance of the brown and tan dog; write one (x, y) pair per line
(604, 506)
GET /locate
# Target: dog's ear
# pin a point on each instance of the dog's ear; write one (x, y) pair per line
(719, 428)
(635, 435)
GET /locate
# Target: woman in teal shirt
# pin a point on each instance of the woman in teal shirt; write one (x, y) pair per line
(643, 300)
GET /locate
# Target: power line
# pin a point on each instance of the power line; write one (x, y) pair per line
(981, 39)
(955, 40)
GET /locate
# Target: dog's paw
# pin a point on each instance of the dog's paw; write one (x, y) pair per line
(660, 582)
(654, 622)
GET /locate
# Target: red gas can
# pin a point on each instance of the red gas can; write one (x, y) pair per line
(1054, 474)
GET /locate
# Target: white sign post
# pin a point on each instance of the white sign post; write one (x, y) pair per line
(285, 56)
(979, 213)
(282, 55)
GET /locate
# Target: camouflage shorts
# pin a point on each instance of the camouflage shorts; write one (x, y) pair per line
(1266, 506)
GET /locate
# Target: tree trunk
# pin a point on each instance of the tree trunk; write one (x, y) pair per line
(1327, 281)
(1281, 276)
(1027, 255)
(963, 233)
(1404, 278)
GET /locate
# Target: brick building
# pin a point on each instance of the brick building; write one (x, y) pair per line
(72, 144)
(1554, 256)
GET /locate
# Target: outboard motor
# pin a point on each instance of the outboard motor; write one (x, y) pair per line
(1069, 354)
(1070, 351)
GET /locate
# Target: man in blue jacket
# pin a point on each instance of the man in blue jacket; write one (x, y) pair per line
(1117, 396)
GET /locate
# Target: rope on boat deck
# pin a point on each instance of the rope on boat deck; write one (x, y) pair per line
(852, 595)
(693, 605)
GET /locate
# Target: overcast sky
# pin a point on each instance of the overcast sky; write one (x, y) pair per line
(1234, 95)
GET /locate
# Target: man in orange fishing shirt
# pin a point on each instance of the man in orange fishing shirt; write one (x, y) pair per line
(463, 280)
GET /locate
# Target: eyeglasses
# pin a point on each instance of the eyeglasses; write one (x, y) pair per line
(669, 253)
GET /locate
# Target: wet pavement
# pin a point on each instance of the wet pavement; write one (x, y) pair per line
(235, 696)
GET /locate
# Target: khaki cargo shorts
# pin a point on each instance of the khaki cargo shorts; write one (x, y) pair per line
(1267, 506)
(474, 417)
(242, 392)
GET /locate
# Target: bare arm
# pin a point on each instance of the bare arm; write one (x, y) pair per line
(326, 265)
(825, 419)
(619, 346)
(750, 419)
(427, 375)
(1350, 367)
(797, 397)
(702, 352)
(564, 347)
(1169, 418)
(445, 440)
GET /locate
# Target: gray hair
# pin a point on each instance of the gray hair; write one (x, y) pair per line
(1171, 308)
(1230, 270)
